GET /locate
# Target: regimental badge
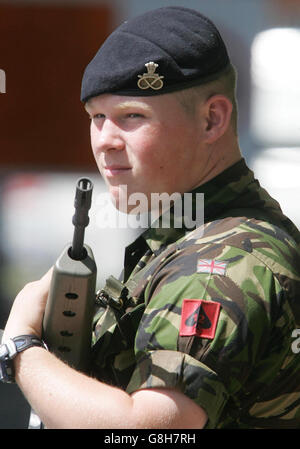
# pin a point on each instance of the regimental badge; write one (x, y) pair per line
(199, 318)
(150, 79)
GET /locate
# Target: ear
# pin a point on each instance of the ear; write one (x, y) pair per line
(217, 110)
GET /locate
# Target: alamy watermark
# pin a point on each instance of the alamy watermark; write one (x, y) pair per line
(2, 81)
(161, 210)
(296, 343)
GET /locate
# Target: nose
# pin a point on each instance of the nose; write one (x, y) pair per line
(106, 137)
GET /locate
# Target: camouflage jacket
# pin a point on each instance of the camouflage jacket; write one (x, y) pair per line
(212, 311)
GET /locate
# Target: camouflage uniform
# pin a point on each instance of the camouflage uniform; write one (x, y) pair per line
(245, 261)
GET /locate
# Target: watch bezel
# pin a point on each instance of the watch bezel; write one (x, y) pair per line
(7, 371)
(11, 348)
(3, 352)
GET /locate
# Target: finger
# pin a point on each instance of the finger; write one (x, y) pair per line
(47, 275)
(44, 282)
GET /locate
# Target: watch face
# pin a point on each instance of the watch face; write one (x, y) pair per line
(7, 374)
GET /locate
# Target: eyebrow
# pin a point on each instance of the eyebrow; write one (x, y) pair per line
(121, 106)
(133, 104)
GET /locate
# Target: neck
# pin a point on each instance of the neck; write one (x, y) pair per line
(221, 155)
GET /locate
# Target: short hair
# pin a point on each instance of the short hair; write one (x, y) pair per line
(224, 84)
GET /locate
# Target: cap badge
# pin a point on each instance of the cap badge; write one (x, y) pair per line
(150, 79)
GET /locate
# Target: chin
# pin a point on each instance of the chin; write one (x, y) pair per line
(129, 202)
(119, 199)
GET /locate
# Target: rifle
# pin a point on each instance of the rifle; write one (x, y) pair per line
(67, 323)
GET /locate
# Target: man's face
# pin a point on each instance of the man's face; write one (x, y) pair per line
(150, 144)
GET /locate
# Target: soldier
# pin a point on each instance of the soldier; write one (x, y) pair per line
(204, 337)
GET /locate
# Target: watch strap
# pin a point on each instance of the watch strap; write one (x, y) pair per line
(10, 348)
(23, 342)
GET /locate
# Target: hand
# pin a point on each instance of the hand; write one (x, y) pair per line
(26, 315)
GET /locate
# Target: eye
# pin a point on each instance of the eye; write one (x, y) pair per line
(98, 116)
(135, 115)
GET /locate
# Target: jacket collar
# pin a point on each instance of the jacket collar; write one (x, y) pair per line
(217, 195)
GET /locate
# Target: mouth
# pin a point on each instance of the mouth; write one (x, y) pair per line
(115, 170)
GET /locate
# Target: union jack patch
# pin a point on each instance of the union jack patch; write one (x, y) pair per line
(211, 266)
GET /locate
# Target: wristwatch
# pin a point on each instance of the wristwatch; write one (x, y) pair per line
(8, 351)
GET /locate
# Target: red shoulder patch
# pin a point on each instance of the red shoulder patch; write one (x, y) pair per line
(199, 318)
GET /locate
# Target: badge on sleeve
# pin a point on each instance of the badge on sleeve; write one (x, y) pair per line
(199, 318)
(211, 266)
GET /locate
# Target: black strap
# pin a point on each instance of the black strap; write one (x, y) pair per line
(23, 342)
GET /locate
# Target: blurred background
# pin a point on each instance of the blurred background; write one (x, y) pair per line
(44, 130)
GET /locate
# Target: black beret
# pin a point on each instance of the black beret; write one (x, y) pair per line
(161, 51)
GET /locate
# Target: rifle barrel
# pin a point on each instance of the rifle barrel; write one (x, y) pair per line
(80, 220)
